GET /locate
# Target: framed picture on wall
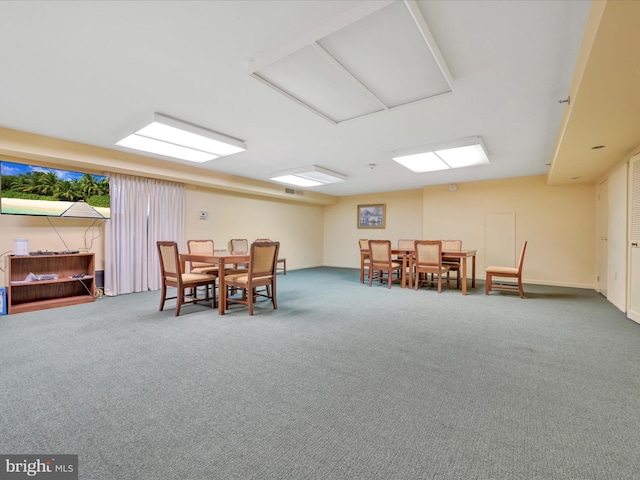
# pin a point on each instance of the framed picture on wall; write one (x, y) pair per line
(372, 216)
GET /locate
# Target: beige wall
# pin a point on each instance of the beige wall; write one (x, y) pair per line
(298, 227)
(404, 220)
(557, 221)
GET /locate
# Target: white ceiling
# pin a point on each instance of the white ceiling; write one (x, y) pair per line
(90, 71)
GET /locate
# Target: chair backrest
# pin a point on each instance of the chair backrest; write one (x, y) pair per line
(169, 261)
(364, 244)
(521, 260)
(264, 257)
(428, 253)
(451, 245)
(262, 240)
(204, 247)
(380, 252)
(405, 244)
(239, 245)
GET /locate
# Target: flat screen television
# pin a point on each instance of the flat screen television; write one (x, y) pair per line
(51, 192)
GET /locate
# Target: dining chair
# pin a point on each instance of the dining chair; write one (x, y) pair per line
(506, 272)
(239, 245)
(406, 244)
(453, 263)
(261, 272)
(202, 247)
(363, 243)
(172, 276)
(381, 261)
(281, 260)
(428, 261)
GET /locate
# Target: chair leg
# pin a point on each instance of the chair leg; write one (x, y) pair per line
(487, 287)
(250, 299)
(179, 301)
(164, 296)
(273, 296)
(520, 288)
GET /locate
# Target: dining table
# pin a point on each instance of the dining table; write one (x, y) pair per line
(221, 259)
(407, 261)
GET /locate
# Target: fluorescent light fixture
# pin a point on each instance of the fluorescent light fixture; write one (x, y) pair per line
(174, 138)
(467, 152)
(308, 176)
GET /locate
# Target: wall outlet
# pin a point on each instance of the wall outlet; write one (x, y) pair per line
(204, 215)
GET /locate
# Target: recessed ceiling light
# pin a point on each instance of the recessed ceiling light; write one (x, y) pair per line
(174, 138)
(466, 152)
(311, 176)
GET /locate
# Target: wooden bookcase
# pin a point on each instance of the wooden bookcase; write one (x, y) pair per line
(25, 296)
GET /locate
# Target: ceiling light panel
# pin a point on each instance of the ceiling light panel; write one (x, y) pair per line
(464, 152)
(145, 144)
(170, 137)
(422, 162)
(467, 156)
(310, 176)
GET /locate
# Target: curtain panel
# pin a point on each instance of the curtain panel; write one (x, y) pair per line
(143, 211)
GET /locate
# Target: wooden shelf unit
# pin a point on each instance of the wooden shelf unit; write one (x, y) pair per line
(39, 295)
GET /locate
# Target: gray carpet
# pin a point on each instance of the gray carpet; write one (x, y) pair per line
(343, 381)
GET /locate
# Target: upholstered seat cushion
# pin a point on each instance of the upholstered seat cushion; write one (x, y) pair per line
(243, 278)
(502, 270)
(192, 277)
(204, 270)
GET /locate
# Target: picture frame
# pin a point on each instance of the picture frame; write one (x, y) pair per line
(372, 216)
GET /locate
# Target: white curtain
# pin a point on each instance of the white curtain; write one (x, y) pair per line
(143, 211)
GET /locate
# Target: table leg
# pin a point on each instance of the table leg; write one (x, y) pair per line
(464, 275)
(222, 289)
(404, 271)
(410, 271)
(473, 271)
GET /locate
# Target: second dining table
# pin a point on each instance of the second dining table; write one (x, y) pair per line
(221, 258)
(407, 261)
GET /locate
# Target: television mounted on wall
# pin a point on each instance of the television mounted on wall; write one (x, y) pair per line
(52, 192)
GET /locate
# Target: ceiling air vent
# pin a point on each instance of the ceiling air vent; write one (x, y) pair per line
(291, 191)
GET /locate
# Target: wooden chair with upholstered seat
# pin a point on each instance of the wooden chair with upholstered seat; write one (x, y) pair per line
(363, 243)
(428, 261)
(261, 273)
(381, 262)
(406, 244)
(172, 276)
(202, 247)
(238, 245)
(506, 272)
(453, 263)
(281, 260)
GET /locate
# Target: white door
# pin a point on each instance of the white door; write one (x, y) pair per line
(633, 310)
(603, 236)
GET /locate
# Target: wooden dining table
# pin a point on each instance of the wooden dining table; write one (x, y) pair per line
(407, 261)
(221, 258)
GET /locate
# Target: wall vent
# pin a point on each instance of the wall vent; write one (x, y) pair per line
(291, 191)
